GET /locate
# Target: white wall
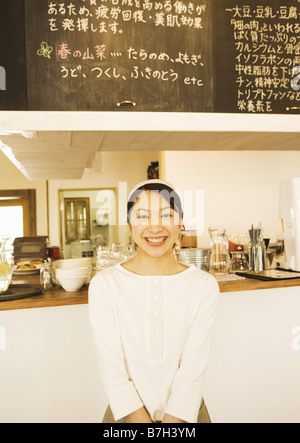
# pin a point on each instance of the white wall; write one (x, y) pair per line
(240, 187)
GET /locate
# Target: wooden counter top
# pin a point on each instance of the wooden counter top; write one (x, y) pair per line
(59, 297)
(250, 284)
(52, 297)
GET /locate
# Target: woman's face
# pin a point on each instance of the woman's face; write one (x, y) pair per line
(154, 225)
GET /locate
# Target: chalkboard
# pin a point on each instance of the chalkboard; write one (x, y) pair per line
(240, 56)
(89, 55)
(257, 56)
(12, 56)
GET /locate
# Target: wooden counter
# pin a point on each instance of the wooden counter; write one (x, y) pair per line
(49, 298)
(59, 297)
(250, 284)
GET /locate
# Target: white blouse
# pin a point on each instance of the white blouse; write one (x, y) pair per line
(153, 335)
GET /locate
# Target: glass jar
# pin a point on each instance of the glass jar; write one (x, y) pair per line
(239, 262)
(219, 257)
(104, 258)
(6, 265)
(48, 275)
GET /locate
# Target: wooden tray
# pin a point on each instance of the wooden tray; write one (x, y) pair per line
(271, 275)
(16, 291)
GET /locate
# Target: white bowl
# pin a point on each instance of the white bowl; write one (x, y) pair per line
(71, 284)
(73, 271)
(73, 263)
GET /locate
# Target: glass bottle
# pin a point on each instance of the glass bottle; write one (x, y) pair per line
(219, 257)
(47, 275)
(257, 250)
(6, 265)
(104, 258)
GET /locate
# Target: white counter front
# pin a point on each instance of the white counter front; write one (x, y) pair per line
(49, 371)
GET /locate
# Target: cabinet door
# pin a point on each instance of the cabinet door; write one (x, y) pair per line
(77, 219)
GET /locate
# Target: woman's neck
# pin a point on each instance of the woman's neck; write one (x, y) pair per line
(146, 265)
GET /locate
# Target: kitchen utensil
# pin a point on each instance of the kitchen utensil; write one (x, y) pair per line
(238, 262)
(47, 275)
(69, 263)
(271, 275)
(73, 279)
(257, 250)
(197, 256)
(219, 258)
(17, 291)
(30, 248)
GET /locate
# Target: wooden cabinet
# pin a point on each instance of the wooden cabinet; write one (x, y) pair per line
(77, 219)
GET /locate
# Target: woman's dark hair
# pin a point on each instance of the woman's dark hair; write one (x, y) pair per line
(169, 194)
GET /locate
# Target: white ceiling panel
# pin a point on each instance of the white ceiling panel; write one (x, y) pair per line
(65, 154)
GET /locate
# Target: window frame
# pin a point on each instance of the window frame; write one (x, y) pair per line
(27, 199)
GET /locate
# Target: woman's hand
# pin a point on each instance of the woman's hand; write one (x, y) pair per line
(171, 419)
(138, 416)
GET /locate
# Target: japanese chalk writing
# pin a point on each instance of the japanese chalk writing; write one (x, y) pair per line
(98, 53)
(103, 52)
(111, 15)
(114, 72)
(267, 54)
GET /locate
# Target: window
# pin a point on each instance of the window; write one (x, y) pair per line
(11, 221)
(18, 213)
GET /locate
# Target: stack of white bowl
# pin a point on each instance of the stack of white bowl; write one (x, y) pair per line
(73, 273)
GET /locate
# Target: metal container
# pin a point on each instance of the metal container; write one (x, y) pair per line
(257, 257)
(196, 256)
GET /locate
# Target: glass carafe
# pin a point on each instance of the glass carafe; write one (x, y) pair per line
(219, 257)
(6, 265)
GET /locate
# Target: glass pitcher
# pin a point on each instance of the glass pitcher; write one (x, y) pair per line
(219, 257)
(6, 265)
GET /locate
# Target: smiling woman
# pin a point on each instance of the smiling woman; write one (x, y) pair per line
(153, 319)
(155, 220)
